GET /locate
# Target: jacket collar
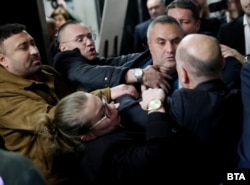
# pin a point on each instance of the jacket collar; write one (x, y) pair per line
(7, 77)
(212, 85)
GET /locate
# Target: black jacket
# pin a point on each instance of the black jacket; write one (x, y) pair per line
(244, 145)
(232, 35)
(140, 36)
(97, 74)
(195, 141)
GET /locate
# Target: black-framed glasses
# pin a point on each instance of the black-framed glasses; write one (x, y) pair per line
(82, 38)
(106, 111)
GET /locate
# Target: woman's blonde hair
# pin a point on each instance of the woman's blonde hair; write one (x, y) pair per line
(69, 122)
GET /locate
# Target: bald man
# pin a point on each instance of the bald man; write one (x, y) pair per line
(204, 115)
(187, 13)
(190, 137)
(198, 62)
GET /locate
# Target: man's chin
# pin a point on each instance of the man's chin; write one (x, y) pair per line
(91, 57)
(37, 67)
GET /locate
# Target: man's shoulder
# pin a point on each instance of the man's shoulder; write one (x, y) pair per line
(139, 59)
(233, 24)
(143, 24)
(66, 55)
(205, 88)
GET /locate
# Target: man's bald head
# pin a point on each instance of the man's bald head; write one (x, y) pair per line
(201, 56)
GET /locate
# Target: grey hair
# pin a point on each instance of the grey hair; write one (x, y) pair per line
(163, 19)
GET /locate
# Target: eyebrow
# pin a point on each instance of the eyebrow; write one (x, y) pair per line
(78, 36)
(82, 35)
(25, 43)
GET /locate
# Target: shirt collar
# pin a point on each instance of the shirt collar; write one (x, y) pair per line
(245, 20)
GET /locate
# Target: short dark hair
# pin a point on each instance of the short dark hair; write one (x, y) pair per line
(163, 19)
(62, 27)
(186, 4)
(6, 30)
(9, 29)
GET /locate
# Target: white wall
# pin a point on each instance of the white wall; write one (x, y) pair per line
(108, 28)
(112, 26)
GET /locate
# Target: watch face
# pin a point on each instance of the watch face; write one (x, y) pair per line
(138, 72)
(154, 104)
(247, 58)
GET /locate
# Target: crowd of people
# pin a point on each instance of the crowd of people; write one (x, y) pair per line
(177, 110)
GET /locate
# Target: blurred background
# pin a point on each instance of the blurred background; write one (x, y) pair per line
(113, 21)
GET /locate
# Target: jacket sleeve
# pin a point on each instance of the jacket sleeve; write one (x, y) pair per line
(231, 72)
(244, 145)
(105, 91)
(85, 75)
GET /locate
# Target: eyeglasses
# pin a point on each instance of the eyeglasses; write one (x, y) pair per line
(82, 38)
(106, 111)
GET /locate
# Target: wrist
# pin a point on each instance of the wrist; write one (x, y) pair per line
(138, 73)
(155, 105)
(158, 110)
(247, 59)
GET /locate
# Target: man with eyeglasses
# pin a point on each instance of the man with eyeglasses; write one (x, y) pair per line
(29, 90)
(81, 66)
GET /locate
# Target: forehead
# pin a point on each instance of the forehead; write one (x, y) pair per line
(74, 30)
(94, 104)
(180, 13)
(166, 31)
(17, 39)
(152, 3)
(92, 99)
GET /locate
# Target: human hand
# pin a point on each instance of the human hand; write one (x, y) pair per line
(122, 89)
(230, 52)
(150, 94)
(154, 77)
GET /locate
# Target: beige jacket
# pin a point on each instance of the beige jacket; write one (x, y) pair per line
(21, 103)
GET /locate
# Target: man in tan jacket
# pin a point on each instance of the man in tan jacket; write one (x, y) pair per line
(28, 90)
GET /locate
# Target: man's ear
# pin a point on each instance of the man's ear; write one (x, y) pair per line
(88, 137)
(62, 47)
(3, 60)
(184, 77)
(198, 25)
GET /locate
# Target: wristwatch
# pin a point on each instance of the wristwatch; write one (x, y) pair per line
(154, 104)
(138, 72)
(247, 58)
